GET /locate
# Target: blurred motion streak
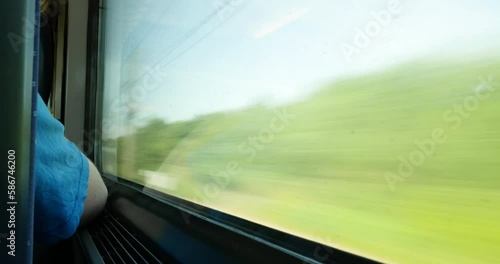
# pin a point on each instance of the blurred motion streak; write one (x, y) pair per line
(262, 119)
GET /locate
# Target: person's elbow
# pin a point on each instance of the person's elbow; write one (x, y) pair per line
(97, 194)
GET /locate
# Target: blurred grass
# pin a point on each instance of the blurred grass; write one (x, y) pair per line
(322, 177)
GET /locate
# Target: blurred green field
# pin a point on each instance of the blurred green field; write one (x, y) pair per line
(322, 176)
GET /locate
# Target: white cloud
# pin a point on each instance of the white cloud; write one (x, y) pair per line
(281, 22)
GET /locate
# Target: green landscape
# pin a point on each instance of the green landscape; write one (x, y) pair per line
(355, 165)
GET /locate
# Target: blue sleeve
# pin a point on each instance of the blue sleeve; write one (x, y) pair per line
(61, 180)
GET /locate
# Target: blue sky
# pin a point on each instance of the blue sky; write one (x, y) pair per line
(275, 51)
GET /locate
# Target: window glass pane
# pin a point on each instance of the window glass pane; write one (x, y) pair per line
(370, 126)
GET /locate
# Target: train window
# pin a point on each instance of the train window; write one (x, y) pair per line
(372, 126)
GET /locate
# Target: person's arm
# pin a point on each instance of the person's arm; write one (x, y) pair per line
(69, 192)
(97, 193)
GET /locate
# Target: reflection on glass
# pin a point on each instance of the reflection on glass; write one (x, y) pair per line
(373, 127)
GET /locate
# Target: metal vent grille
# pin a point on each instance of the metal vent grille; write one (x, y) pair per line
(117, 245)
